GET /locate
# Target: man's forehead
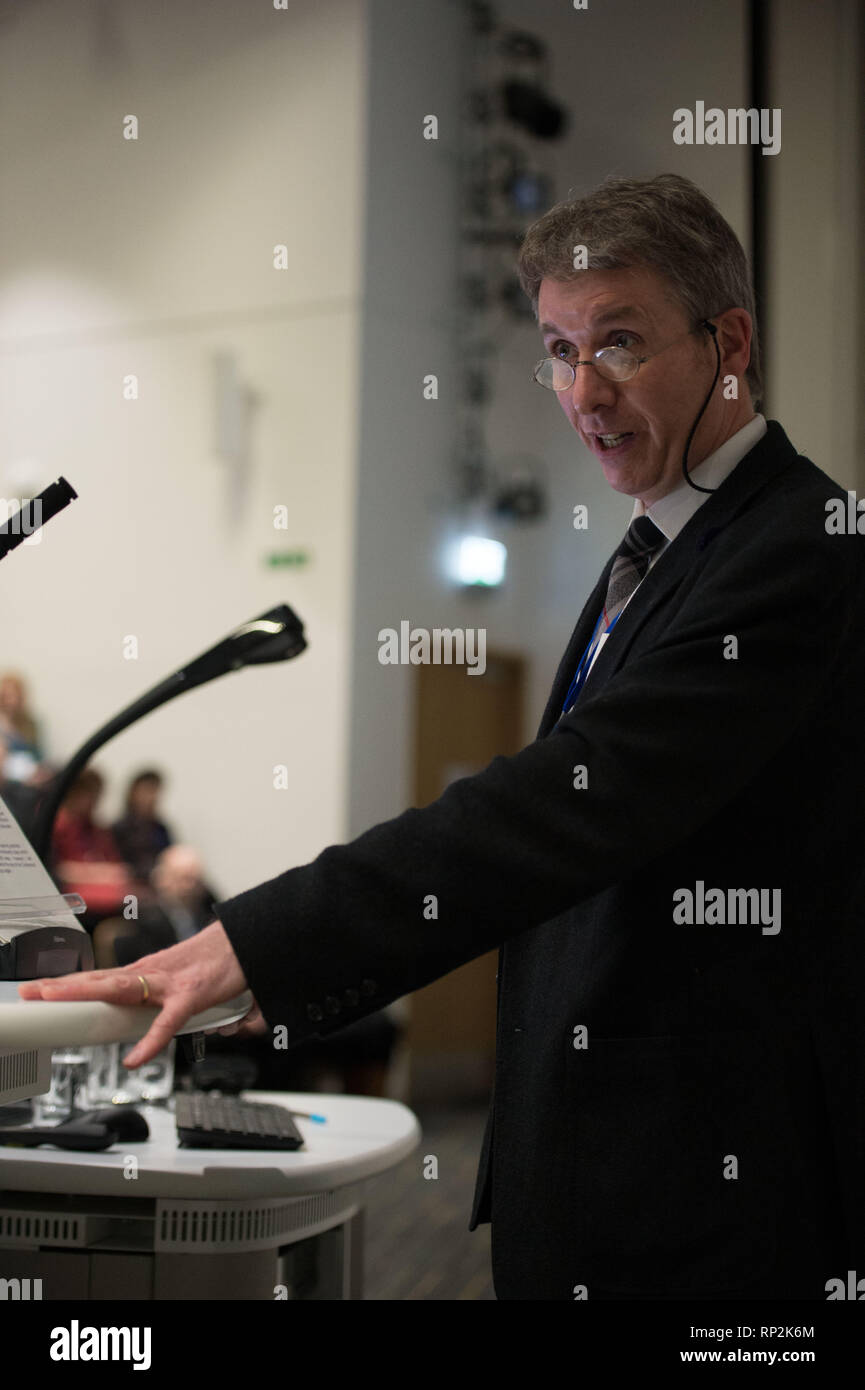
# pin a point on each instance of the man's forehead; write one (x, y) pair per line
(600, 296)
(614, 312)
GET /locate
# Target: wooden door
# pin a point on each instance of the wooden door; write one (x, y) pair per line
(461, 723)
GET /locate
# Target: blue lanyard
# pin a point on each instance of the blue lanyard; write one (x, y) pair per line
(585, 662)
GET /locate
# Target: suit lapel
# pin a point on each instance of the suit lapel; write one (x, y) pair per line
(575, 648)
(770, 455)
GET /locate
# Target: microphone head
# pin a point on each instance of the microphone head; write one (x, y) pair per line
(282, 636)
(276, 635)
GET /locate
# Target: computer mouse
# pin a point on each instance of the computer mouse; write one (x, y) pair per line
(124, 1120)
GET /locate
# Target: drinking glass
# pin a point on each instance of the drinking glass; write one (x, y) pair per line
(69, 1067)
(110, 1083)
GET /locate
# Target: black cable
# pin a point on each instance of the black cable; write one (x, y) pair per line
(714, 332)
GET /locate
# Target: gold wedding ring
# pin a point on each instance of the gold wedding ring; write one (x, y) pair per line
(146, 995)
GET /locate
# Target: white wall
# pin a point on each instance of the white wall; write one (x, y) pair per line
(147, 257)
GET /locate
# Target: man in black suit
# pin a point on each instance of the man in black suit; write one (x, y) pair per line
(673, 869)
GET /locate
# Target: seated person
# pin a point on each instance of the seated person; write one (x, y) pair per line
(85, 855)
(141, 836)
(20, 799)
(19, 729)
(182, 904)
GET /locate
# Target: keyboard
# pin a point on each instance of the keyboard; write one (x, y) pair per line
(205, 1120)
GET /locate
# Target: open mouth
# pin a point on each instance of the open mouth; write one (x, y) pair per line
(613, 441)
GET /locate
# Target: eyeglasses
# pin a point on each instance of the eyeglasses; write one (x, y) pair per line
(616, 364)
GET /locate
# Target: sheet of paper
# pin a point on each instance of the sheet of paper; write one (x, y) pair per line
(22, 873)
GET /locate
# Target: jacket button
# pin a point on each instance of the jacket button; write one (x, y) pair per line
(332, 1004)
(351, 997)
(314, 1012)
(368, 986)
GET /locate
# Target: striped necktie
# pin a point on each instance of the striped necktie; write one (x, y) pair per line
(631, 564)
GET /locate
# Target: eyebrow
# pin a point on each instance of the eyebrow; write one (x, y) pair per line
(622, 311)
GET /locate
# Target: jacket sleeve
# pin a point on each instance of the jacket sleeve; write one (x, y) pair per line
(667, 741)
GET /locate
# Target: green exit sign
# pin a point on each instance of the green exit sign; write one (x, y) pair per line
(280, 559)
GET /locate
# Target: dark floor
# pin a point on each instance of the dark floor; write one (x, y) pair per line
(417, 1241)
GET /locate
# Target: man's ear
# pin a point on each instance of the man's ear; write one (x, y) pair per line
(734, 341)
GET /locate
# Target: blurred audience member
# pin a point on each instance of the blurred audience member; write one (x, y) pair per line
(19, 729)
(141, 836)
(20, 799)
(184, 904)
(85, 854)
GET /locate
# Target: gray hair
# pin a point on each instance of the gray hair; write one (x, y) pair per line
(666, 224)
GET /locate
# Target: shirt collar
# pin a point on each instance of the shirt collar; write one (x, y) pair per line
(670, 513)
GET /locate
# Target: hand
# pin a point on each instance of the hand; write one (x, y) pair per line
(253, 1022)
(184, 979)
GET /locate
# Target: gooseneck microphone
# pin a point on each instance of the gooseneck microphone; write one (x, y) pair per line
(274, 636)
(15, 530)
(714, 332)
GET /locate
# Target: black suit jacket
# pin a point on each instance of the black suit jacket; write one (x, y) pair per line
(708, 1138)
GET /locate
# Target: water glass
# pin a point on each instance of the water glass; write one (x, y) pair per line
(67, 1092)
(110, 1083)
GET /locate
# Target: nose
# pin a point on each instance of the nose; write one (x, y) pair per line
(590, 391)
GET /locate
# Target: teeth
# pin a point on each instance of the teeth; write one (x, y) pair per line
(610, 441)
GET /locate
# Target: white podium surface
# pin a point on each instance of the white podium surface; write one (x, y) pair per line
(363, 1136)
(26, 1023)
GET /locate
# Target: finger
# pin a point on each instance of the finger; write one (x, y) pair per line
(164, 1027)
(252, 1023)
(115, 987)
(57, 985)
(118, 986)
(245, 1027)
